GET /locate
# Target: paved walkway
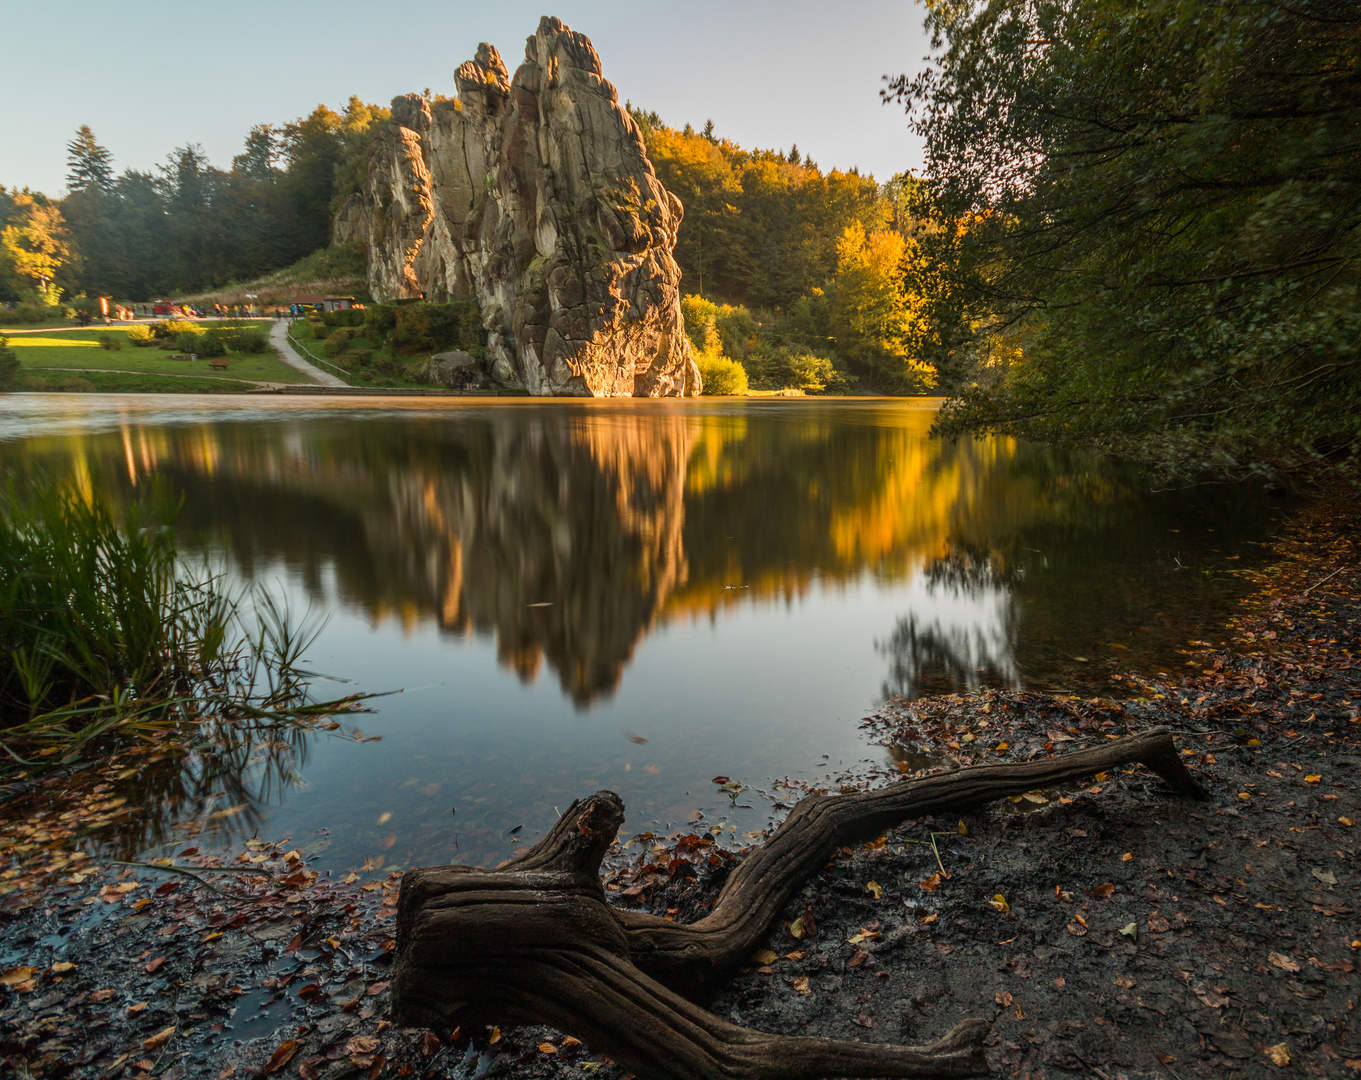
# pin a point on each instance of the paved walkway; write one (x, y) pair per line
(278, 335)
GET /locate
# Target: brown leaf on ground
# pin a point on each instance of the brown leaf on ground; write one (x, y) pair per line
(1003, 998)
(1283, 962)
(283, 1055)
(159, 1039)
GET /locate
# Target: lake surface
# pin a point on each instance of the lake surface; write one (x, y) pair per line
(634, 595)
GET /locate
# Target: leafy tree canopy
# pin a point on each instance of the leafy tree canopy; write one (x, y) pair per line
(1144, 223)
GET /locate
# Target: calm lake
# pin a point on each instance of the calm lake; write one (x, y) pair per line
(634, 595)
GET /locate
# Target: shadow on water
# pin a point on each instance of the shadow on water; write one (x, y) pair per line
(568, 534)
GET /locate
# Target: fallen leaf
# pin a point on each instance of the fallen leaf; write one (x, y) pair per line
(1312, 779)
(1279, 1055)
(283, 1055)
(15, 975)
(1346, 821)
(1124, 981)
(547, 1048)
(876, 888)
(495, 1036)
(384, 817)
(795, 956)
(765, 956)
(1325, 876)
(155, 965)
(1076, 930)
(929, 919)
(159, 1039)
(1283, 962)
(963, 829)
(932, 883)
(1209, 997)
(1127, 856)
(61, 966)
(801, 985)
(1003, 998)
(857, 958)
(1000, 903)
(570, 1042)
(1106, 891)
(367, 1044)
(796, 928)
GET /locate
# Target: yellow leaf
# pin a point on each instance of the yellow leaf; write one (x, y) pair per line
(963, 829)
(876, 888)
(62, 965)
(384, 817)
(929, 919)
(1127, 856)
(856, 939)
(796, 928)
(765, 956)
(1311, 780)
(569, 1042)
(1279, 1055)
(1002, 746)
(15, 975)
(1000, 903)
(495, 1036)
(1346, 821)
(159, 1039)
(547, 1048)
(1244, 796)
(1102, 777)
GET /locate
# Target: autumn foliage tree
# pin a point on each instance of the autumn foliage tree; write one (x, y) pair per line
(1149, 224)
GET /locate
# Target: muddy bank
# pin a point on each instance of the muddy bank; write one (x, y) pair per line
(1106, 930)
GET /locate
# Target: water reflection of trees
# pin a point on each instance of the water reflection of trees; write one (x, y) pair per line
(963, 639)
(568, 532)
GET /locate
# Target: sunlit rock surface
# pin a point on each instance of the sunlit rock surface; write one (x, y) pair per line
(534, 196)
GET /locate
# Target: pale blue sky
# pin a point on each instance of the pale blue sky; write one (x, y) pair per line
(148, 76)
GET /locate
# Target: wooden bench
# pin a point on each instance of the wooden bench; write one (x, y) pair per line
(218, 364)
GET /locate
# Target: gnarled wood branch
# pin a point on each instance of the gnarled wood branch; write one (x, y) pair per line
(536, 941)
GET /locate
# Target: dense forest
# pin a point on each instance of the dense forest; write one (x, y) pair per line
(188, 225)
(1148, 225)
(795, 275)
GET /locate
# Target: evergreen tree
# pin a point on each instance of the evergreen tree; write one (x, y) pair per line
(88, 165)
(262, 149)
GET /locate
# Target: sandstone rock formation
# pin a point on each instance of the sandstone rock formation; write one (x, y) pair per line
(535, 197)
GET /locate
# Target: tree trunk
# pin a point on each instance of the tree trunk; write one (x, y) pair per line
(537, 942)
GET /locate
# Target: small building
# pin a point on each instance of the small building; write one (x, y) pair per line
(324, 303)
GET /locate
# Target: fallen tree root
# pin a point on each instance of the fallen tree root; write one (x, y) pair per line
(536, 942)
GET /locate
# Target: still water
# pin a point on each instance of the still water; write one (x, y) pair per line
(633, 595)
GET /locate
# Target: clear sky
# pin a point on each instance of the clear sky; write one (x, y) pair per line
(148, 76)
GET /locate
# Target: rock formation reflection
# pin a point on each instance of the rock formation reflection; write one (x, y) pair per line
(568, 532)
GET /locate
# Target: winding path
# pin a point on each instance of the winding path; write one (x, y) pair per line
(278, 336)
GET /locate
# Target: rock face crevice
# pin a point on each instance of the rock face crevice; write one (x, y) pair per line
(534, 196)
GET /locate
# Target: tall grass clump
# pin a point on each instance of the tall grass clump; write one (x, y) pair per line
(104, 629)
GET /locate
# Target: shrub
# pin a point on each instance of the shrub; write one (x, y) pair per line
(721, 375)
(359, 357)
(111, 341)
(337, 342)
(172, 327)
(30, 311)
(9, 366)
(348, 317)
(140, 335)
(379, 322)
(76, 385)
(249, 339)
(319, 329)
(207, 345)
(427, 327)
(189, 343)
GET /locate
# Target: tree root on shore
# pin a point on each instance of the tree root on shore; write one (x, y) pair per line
(536, 942)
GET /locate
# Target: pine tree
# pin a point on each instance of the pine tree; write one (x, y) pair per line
(709, 131)
(87, 163)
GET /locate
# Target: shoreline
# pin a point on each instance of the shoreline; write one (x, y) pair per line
(1244, 950)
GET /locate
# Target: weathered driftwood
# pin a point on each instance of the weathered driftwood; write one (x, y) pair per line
(537, 942)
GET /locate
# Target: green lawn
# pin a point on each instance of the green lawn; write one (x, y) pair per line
(51, 360)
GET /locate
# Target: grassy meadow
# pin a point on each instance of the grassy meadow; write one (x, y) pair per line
(74, 360)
